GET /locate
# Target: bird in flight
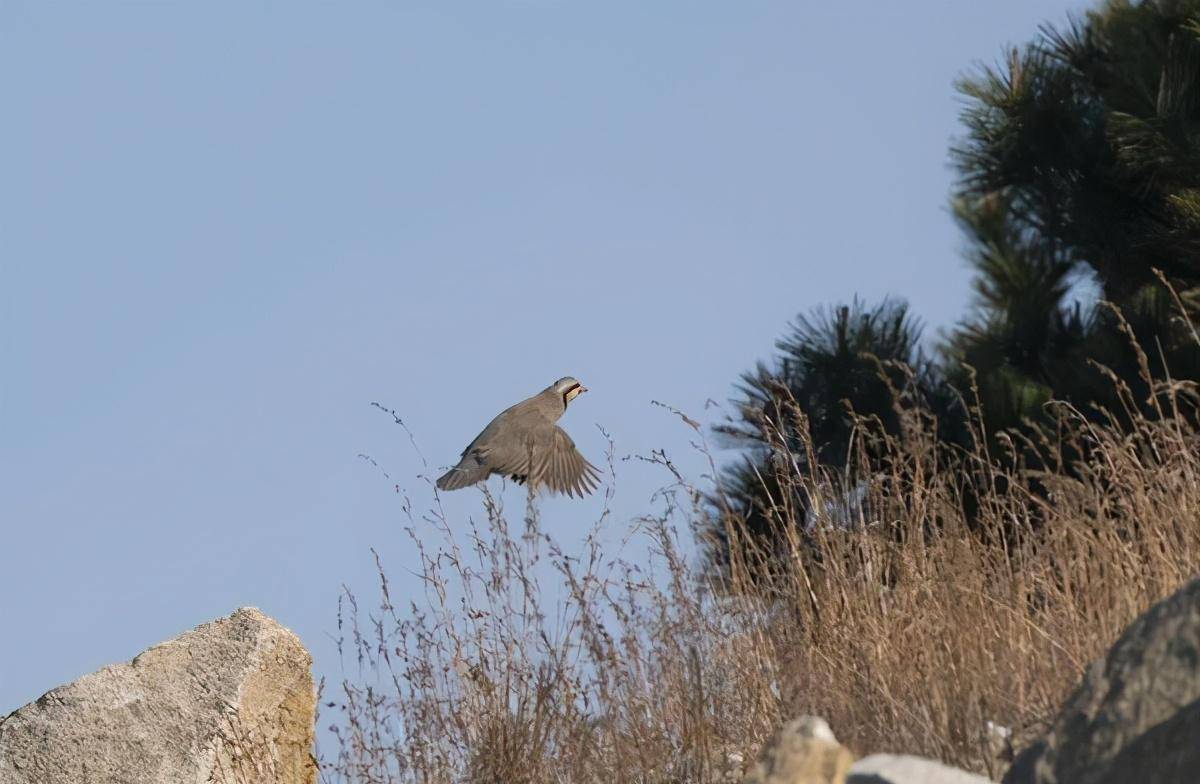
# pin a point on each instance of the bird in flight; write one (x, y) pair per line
(523, 442)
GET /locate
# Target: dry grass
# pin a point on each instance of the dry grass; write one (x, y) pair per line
(909, 626)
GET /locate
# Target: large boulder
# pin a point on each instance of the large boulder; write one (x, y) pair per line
(1136, 716)
(903, 769)
(228, 702)
(803, 751)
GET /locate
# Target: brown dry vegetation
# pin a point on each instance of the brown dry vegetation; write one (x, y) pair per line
(968, 587)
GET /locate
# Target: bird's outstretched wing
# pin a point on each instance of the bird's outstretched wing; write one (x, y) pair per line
(558, 465)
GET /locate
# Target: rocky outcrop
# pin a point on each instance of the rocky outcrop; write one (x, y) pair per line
(803, 751)
(230, 702)
(1136, 716)
(903, 769)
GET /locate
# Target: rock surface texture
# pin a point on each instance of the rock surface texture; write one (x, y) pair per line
(1136, 715)
(803, 751)
(230, 702)
(901, 769)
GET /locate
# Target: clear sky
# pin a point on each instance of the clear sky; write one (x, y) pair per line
(226, 228)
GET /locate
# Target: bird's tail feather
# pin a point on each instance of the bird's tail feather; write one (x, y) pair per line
(459, 477)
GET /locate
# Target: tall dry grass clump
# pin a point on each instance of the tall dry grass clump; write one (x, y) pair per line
(963, 589)
(915, 599)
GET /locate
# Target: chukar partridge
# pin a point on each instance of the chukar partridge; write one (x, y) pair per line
(524, 442)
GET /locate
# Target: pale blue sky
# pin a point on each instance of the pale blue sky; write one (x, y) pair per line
(225, 228)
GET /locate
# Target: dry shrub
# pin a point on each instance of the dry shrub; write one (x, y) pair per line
(962, 589)
(966, 589)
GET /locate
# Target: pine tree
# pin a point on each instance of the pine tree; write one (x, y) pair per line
(832, 366)
(1082, 161)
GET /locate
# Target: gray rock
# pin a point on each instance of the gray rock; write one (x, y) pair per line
(1136, 715)
(901, 769)
(230, 701)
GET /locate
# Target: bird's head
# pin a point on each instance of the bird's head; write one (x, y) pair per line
(569, 388)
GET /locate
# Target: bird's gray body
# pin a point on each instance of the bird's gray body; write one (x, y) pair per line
(524, 442)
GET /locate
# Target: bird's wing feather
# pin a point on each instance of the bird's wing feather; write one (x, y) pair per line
(512, 456)
(559, 466)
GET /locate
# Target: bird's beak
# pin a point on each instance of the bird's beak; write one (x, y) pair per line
(582, 389)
